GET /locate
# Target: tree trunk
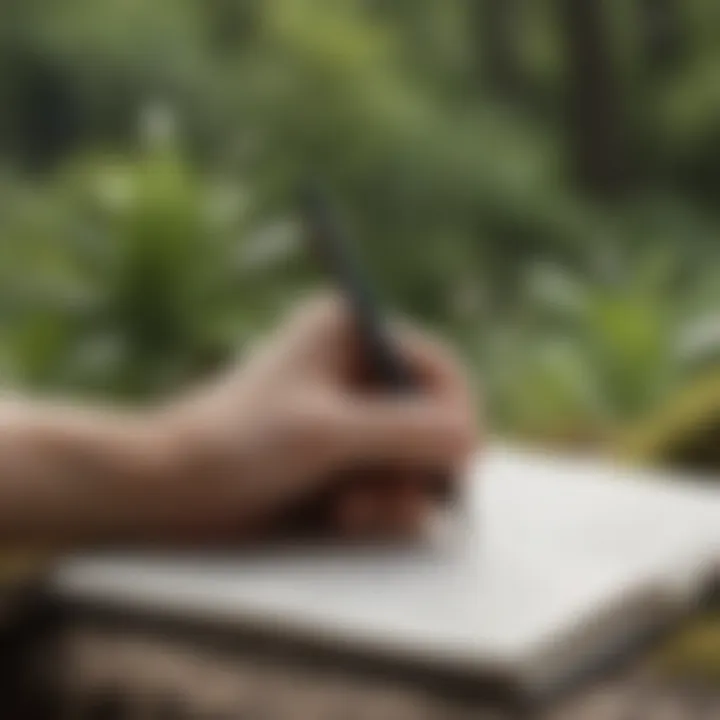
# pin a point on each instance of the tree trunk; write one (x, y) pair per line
(661, 28)
(495, 27)
(44, 116)
(232, 22)
(595, 101)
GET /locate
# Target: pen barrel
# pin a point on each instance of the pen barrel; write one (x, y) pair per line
(388, 369)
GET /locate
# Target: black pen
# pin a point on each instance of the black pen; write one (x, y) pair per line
(330, 242)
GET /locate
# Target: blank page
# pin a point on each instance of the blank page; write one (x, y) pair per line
(542, 545)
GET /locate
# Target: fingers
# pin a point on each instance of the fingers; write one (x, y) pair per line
(436, 369)
(415, 432)
(398, 508)
(324, 319)
(319, 339)
(436, 425)
(322, 335)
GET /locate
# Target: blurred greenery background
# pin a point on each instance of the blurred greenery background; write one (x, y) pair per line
(538, 181)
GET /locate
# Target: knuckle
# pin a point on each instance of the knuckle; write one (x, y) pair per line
(462, 434)
(313, 426)
(429, 348)
(324, 309)
(322, 318)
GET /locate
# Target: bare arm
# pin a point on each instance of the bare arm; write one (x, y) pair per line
(227, 461)
(76, 475)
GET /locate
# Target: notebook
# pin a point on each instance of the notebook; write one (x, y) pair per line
(552, 567)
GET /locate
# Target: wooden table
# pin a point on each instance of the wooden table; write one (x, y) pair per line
(118, 676)
(97, 673)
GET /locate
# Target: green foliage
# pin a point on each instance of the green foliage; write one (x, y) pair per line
(140, 280)
(141, 257)
(122, 268)
(694, 653)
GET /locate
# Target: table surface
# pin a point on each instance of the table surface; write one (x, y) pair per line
(125, 677)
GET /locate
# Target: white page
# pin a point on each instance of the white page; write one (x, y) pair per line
(548, 543)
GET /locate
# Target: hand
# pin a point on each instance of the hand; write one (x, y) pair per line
(294, 419)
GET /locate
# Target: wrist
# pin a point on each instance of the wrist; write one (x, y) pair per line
(141, 462)
(182, 456)
(81, 476)
(201, 465)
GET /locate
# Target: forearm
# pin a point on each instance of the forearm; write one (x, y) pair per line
(71, 475)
